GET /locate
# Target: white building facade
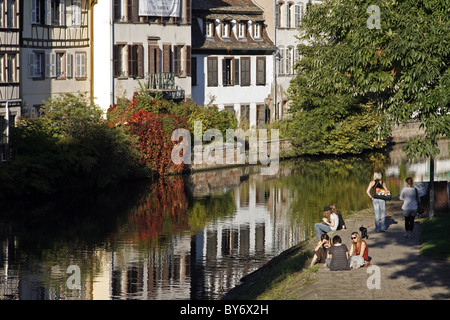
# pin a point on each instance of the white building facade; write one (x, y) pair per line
(232, 59)
(135, 45)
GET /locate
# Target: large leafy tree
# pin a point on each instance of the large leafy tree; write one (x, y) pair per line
(393, 53)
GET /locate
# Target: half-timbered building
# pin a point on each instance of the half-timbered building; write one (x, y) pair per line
(55, 53)
(10, 78)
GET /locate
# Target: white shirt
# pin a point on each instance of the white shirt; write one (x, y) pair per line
(408, 195)
(334, 217)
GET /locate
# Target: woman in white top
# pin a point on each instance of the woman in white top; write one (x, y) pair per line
(410, 205)
(329, 222)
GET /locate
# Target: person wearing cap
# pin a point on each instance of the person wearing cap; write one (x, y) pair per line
(329, 222)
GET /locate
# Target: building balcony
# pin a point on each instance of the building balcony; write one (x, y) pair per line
(164, 82)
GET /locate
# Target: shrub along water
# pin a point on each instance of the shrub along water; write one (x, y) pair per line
(72, 148)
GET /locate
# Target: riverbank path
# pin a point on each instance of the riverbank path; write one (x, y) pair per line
(397, 271)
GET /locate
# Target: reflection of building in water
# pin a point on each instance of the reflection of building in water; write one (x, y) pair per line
(207, 264)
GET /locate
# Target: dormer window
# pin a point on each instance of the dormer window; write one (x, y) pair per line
(225, 29)
(257, 30)
(209, 30)
(241, 30)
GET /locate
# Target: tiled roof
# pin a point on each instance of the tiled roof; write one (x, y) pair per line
(226, 6)
(228, 10)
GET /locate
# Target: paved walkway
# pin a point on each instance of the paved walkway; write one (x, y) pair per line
(403, 273)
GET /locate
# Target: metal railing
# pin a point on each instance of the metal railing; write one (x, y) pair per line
(161, 81)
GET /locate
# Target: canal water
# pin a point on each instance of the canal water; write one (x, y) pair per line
(184, 237)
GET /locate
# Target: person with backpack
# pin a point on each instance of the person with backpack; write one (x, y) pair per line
(379, 205)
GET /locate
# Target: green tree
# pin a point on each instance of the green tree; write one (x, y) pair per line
(394, 53)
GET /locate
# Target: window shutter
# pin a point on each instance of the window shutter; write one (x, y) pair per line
(188, 60)
(166, 58)
(31, 65)
(224, 73)
(52, 65)
(34, 12)
(236, 71)
(260, 71)
(177, 60)
(76, 13)
(69, 65)
(48, 12)
(130, 61)
(62, 12)
(140, 61)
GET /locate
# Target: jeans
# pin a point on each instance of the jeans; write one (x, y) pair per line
(379, 207)
(321, 228)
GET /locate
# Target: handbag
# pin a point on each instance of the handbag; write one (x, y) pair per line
(383, 194)
(420, 208)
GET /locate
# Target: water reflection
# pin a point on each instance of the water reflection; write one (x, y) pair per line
(181, 238)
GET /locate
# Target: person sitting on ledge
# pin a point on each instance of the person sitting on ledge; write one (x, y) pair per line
(361, 250)
(329, 222)
(338, 255)
(321, 249)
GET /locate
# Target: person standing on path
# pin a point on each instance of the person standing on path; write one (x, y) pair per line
(410, 205)
(379, 205)
(329, 222)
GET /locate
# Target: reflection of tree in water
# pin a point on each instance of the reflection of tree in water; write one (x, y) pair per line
(320, 182)
(159, 212)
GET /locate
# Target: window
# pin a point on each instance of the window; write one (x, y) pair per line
(229, 109)
(257, 30)
(36, 64)
(227, 71)
(167, 58)
(136, 61)
(288, 60)
(241, 30)
(245, 112)
(225, 29)
(74, 14)
(194, 71)
(2, 66)
(10, 11)
(80, 65)
(245, 71)
(61, 65)
(212, 72)
(177, 60)
(153, 59)
(281, 61)
(209, 29)
(118, 14)
(118, 57)
(261, 71)
(278, 15)
(37, 11)
(298, 14)
(49, 12)
(288, 8)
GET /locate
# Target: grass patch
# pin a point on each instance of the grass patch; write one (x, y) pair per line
(434, 238)
(272, 280)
